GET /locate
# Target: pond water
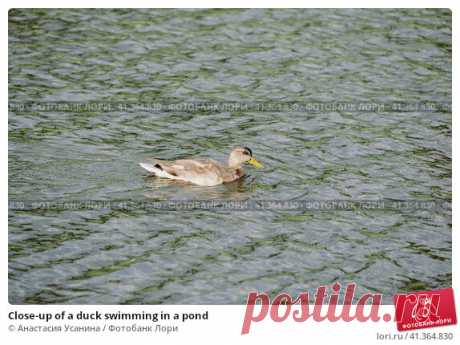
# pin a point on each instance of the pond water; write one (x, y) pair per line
(129, 58)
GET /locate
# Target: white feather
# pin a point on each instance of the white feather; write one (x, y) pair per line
(158, 172)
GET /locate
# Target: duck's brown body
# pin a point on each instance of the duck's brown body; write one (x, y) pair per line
(202, 171)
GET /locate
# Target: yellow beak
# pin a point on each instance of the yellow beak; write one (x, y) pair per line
(254, 162)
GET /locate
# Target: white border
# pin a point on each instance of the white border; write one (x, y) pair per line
(225, 321)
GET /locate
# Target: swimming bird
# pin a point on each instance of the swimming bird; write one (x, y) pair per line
(203, 171)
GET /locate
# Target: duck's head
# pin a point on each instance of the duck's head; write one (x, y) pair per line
(241, 155)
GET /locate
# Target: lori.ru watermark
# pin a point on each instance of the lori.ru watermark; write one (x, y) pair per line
(162, 106)
(241, 205)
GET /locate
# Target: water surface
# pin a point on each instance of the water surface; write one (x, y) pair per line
(150, 256)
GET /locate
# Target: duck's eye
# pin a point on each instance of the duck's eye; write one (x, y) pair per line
(247, 151)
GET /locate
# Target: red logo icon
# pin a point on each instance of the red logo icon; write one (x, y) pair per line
(425, 309)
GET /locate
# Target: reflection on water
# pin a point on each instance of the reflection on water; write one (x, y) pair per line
(164, 189)
(249, 56)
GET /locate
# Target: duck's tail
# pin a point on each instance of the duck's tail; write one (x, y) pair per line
(156, 170)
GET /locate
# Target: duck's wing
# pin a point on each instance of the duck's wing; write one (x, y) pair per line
(204, 172)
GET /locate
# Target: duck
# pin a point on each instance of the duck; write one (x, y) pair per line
(203, 171)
